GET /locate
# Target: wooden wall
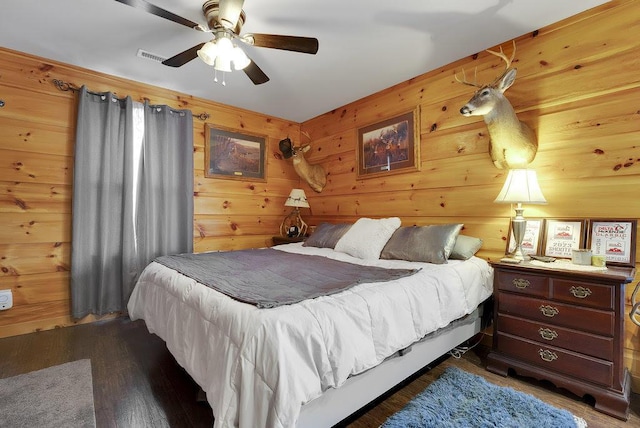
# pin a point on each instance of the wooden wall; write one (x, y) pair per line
(578, 87)
(37, 128)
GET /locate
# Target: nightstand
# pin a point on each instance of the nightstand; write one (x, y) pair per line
(278, 240)
(563, 326)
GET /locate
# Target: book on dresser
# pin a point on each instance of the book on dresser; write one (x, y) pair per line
(565, 326)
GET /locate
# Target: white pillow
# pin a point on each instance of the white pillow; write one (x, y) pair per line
(367, 237)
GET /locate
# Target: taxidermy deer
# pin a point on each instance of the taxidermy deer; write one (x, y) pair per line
(314, 175)
(513, 144)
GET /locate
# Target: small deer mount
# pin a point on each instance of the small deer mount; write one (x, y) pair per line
(314, 175)
(513, 144)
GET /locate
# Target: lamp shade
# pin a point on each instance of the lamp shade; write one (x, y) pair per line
(240, 59)
(297, 198)
(208, 52)
(521, 186)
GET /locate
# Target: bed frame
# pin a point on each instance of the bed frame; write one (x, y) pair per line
(335, 405)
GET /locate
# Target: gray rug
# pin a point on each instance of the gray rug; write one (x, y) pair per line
(460, 399)
(58, 396)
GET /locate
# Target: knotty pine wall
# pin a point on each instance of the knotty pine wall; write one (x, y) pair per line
(37, 128)
(578, 87)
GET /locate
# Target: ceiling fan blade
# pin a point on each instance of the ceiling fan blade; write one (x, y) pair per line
(255, 73)
(183, 57)
(162, 13)
(307, 45)
(229, 12)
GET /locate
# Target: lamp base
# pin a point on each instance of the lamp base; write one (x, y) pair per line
(293, 226)
(519, 225)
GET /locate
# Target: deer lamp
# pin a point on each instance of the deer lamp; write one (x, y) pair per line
(513, 144)
(293, 226)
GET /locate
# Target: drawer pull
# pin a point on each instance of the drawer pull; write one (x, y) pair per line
(549, 311)
(521, 283)
(547, 355)
(580, 292)
(547, 334)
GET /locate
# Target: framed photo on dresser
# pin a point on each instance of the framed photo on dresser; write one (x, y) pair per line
(614, 239)
(563, 235)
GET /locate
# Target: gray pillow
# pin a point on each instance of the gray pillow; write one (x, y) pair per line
(431, 244)
(326, 235)
(465, 247)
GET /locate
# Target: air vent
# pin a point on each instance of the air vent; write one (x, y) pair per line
(148, 55)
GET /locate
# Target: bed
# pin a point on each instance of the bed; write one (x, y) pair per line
(314, 362)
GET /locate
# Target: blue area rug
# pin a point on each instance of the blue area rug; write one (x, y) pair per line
(460, 399)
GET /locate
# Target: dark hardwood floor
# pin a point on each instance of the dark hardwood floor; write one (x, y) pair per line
(137, 383)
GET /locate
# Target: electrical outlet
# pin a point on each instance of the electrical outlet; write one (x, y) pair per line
(6, 300)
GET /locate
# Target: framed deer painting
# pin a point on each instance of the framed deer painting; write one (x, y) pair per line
(233, 155)
(390, 146)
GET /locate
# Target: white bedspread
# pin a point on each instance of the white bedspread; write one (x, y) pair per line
(259, 366)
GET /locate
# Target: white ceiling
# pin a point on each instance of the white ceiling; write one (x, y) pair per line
(365, 45)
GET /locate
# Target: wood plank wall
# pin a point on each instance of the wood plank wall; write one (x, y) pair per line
(37, 128)
(578, 87)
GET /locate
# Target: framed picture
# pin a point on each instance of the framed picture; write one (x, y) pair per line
(532, 237)
(615, 239)
(234, 155)
(390, 146)
(562, 236)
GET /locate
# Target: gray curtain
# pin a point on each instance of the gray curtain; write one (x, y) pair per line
(132, 196)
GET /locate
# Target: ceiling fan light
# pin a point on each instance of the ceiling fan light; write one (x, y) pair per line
(240, 59)
(224, 46)
(208, 52)
(223, 63)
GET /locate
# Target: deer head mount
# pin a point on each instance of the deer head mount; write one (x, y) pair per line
(314, 175)
(513, 144)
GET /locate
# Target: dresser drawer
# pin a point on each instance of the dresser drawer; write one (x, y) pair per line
(557, 359)
(583, 343)
(583, 293)
(531, 285)
(559, 314)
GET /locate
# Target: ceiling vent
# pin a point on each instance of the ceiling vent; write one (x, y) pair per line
(148, 55)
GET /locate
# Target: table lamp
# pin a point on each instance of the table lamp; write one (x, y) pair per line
(293, 226)
(521, 187)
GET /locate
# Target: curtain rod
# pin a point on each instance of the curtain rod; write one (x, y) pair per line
(65, 86)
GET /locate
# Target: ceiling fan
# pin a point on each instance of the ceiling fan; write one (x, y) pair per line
(224, 21)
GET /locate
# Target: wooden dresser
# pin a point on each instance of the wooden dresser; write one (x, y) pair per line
(563, 326)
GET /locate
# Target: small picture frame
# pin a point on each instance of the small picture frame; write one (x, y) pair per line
(532, 237)
(390, 146)
(230, 154)
(563, 235)
(615, 239)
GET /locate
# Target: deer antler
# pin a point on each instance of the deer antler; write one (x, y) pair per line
(508, 61)
(502, 55)
(466, 82)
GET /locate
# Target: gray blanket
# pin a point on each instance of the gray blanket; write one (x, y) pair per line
(269, 278)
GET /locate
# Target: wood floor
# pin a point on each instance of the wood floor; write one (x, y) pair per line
(137, 383)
